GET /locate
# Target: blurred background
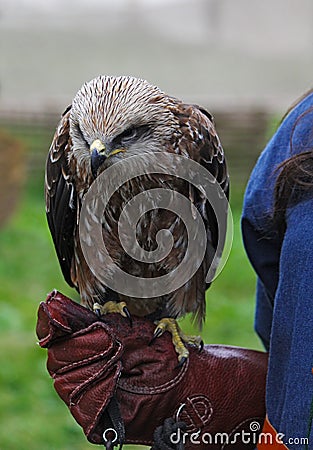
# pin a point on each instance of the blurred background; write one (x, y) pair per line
(245, 61)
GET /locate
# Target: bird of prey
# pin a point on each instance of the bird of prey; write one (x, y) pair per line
(112, 118)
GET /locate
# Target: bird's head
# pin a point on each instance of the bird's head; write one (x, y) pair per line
(116, 117)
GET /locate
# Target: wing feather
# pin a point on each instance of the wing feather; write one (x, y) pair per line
(60, 197)
(200, 141)
(202, 144)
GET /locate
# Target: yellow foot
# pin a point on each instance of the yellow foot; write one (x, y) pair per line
(112, 307)
(178, 338)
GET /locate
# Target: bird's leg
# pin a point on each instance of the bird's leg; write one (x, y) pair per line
(179, 338)
(112, 307)
(192, 340)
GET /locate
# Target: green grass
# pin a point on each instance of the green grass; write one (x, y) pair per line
(31, 414)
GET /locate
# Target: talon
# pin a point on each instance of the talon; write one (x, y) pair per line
(157, 333)
(97, 309)
(112, 307)
(181, 362)
(128, 315)
(178, 338)
(195, 341)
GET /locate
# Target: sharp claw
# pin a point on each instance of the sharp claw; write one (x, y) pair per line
(157, 333)
(96, 309)
(128, 315)
(201, 346)
(181, 362)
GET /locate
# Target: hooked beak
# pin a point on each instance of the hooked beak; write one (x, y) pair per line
(99, 153)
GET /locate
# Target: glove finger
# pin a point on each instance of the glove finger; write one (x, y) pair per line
(60, 316)
(87, 346)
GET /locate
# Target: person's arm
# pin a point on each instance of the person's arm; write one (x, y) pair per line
(261, 238)
(263, 251)
(283, 260)
(290, 378)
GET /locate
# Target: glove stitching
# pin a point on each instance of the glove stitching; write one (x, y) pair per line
(193, 415)
(95, 423)
(83, 362)
(124, 385)
(99, 356)
(48, 339)
(91, 380)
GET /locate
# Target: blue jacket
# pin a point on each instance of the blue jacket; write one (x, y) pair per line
(284, 268)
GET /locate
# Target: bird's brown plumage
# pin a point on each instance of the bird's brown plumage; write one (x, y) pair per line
(131, 112)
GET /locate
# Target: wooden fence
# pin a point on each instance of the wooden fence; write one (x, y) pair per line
(243, 134)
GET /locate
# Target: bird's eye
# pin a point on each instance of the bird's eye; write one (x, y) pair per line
(128, 134)
(132, 133)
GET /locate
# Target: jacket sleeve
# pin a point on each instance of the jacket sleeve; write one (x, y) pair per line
(290, 378)
(262, 242)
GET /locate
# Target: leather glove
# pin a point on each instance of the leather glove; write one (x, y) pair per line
(115, 383)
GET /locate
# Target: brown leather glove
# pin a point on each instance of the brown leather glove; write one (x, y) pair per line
(105, 370)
